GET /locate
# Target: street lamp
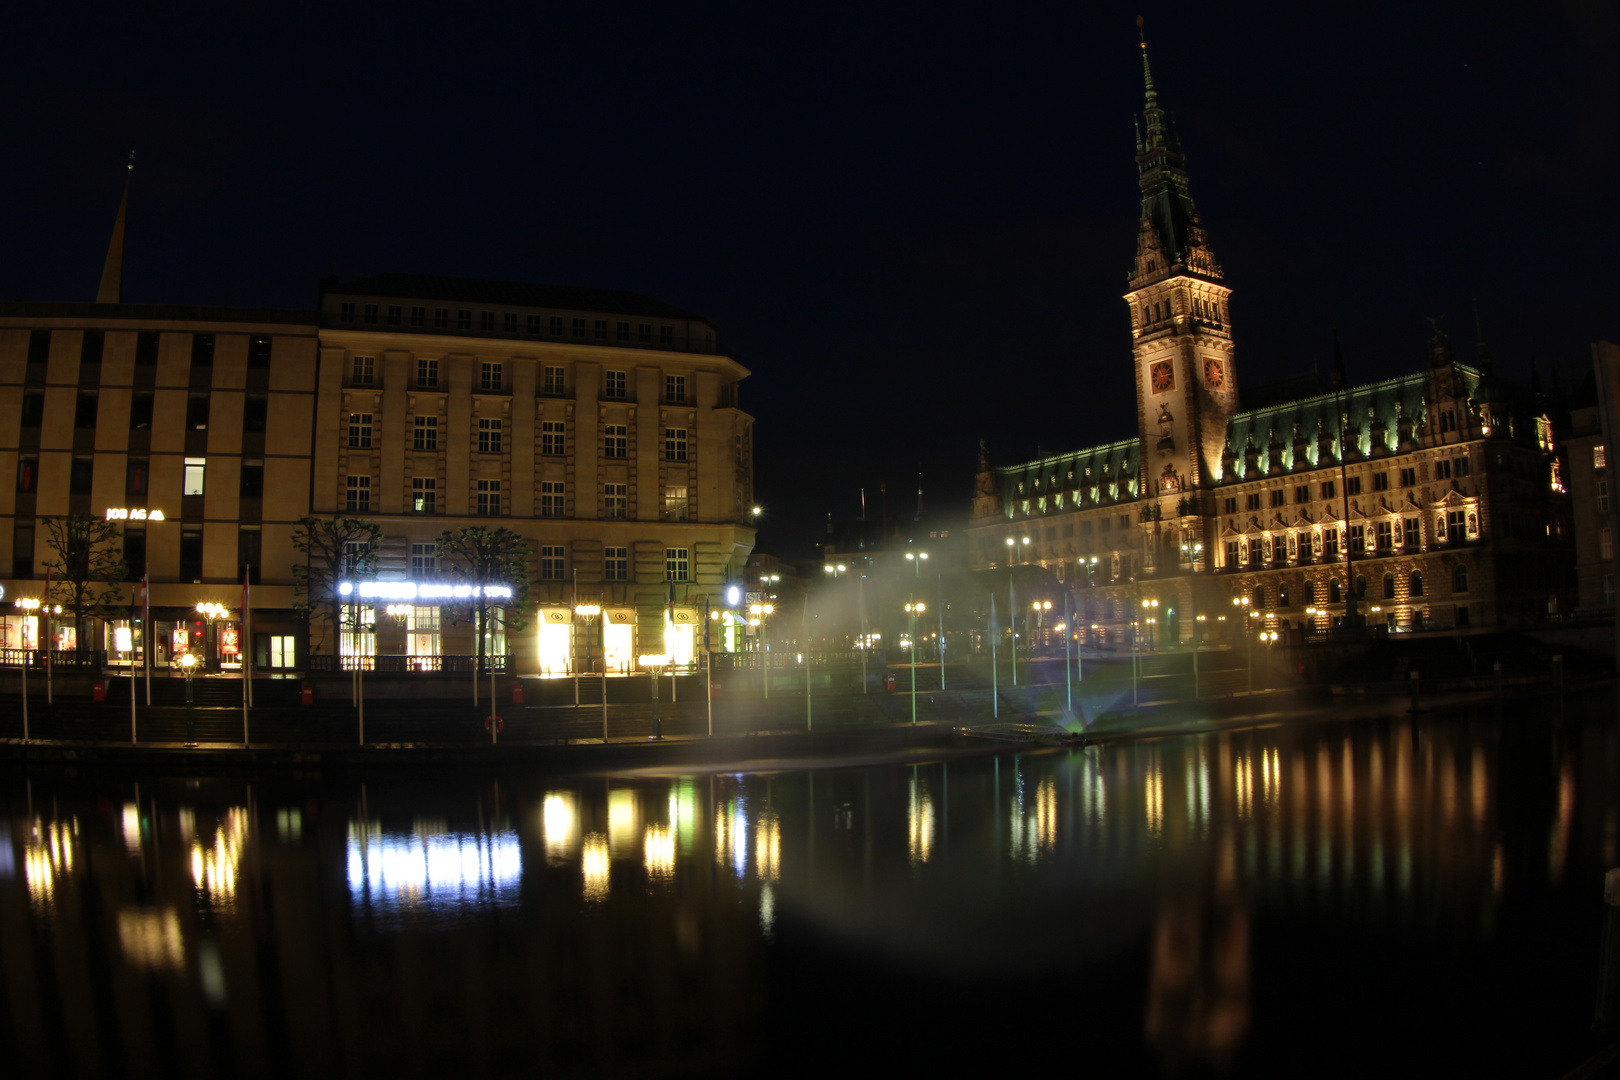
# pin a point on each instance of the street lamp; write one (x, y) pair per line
(1013, 557)
(757, 614)
(914, 609)
(188, 668)
(1150, 615)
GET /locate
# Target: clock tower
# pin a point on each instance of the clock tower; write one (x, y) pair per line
(1181, 331)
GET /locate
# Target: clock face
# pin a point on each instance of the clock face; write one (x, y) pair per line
(1214, 374)
(1163, 376)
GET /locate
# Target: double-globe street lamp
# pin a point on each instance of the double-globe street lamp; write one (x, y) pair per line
(1014, 556)
(914, 609)
(917, 558)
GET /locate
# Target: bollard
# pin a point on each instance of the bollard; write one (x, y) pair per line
(1608, 996)
(1498, 670)
(1416, 680)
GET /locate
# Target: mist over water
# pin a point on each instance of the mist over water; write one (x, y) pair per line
(1316, 900)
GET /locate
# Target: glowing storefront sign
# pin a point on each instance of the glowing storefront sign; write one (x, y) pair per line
(134, 513)
(410, 590)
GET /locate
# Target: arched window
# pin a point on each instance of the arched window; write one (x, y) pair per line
(1415, 585)
(1459, 578)
(1146, 312)
(1335, 591)
(1361, 586)
(1155, 311)
(1282, 596)
(1259, 596)
(1389, 586)
(1310, 593)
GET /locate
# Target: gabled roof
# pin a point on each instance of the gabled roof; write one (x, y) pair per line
(1099, 467)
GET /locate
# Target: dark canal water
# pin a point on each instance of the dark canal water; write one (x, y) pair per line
(1330, 899)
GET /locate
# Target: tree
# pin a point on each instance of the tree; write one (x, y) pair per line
(483, 557)
(89, 561)
(335, 550)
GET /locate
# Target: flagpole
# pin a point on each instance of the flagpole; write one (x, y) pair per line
(147, 639)
(244, 649)
(46, 611)
(995, 632)
(132, 679)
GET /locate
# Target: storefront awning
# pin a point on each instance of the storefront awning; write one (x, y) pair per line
(685, 616)
(619, 616)
(555, 615)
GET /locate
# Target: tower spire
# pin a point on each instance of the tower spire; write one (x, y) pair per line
(1154, 114)
(111, 289)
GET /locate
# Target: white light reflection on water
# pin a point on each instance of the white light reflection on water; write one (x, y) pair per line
(597, 865)
(1034, 828)
(48, 855)
(559, 824)
(731, 835)
(214, 867)
(768, 846)
(919, 822)
(658, 849)
(132, 828)
(151, 938)
(624, 822)
(432, 867)
(767, 912)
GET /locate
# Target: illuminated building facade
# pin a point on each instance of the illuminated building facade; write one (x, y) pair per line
(1436, 497)
(601, 426)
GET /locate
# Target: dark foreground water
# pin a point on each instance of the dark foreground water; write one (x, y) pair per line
(1324, 900)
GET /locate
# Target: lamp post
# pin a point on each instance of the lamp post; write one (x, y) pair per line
(26, 603)
(188, 668)
(916, 559)
(1013, 557)
(1150, 615)
(652, 662)
(757, 616)
(914, 609)
(1242, 604)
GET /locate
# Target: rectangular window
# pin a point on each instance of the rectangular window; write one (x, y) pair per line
(552, 381)
(354, 556)
(489, 498)
(140, 410)
(146, 348)
(613, 501)
(486, 321)
(1603, 496)
(197, 412)
(1386, 536)
(677, 563)
(1352, 485)
(424, 561)
(195, 468)
(425, 494)
(357, 490)
(644, 333)
(259, 351)
(674, 444)
(533, 324)
(554, 326)
(346, 312)
(441, 318)
(1302, 493)
(1358, 539)
(135, 553)
(79, 475)
(136, 475)
(489, 436)
(91, 346)
(191, 555)
(1232, 557)
(249, 551)
(1464, 467)
(1409, 476)
(28, 474)
(553, 566)
(84, 410)
(363, 370)
(1600, 457)
(509, 322)
(666, 335)
(621, 331)
(371, 313)
(427, 373)
(33, 408)
(489, 378)
(577, 328)
(1328, 489)
(1381, 481)
(601, 329)
(463, 320)
(675, 389)
(1279, 497)
(1606, 543)
(1414, 533)
(675, 502)
(395, 314)
(360, 431)
(613, 385)
(1442, 469)
(252, 480)
(202, 350)
(552, 442)
(1456, 527)
(255, 413)
(1252, 500)
(424, 432)
(1230, 505)
(418, 316)
(551, 498)
(616, 564)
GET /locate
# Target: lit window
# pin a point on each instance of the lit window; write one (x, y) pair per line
(1600, 457)
(425, 430)
(677, 563)
(425, 494)
(489, 436)
(194, 475)
(358, 494)
(675, 503)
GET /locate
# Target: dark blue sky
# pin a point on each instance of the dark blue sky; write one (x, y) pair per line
(912, 223)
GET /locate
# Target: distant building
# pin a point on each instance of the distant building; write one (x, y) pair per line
(1433, 500)
(1590, 488)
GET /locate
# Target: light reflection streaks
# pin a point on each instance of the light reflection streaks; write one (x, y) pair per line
(431, 867)
(768, 846)
(151, 939)
(597, 866)
(214, 866)
(47, 856)
(658, 849)
(559, 826)
(919, 822)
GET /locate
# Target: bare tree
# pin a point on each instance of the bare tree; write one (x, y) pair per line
(335, 550)
(88, 565)
(483, 557)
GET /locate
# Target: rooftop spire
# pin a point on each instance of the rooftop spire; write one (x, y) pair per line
(111, 289)
(1155, 115)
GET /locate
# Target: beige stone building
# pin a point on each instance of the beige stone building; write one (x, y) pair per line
(602, 426)
(1436, 499)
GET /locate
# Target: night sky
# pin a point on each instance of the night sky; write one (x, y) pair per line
(912, 223)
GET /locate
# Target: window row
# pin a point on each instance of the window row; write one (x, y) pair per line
(553, 496)
(492, 379)
(492, 437)
(138, 476)
(93, 343)
(506, 322)
(553, 559)
(87, 410)
(1444, 469)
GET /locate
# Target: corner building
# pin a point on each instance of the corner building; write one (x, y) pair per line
(1435, 498)
(602, 426)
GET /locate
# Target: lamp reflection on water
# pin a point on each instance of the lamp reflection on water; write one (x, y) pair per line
(559, 824)
(920, 822)
(731, 836)
(47, 855)
(151, 939)
(132, 828)
(767, 846)
(624, 822)
(597, 866)
(658, 850)
(431, 866)
(214, 868)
